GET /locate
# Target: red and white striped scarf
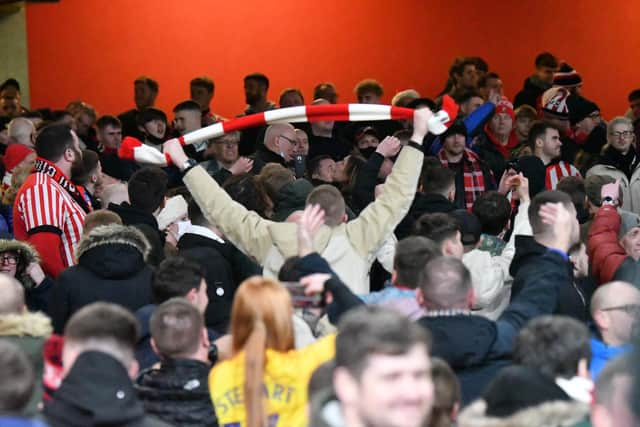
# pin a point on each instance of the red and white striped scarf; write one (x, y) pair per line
(474, 185)
(558, 170)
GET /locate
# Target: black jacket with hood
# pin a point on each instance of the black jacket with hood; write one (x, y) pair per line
(111, 267)
(97, 392)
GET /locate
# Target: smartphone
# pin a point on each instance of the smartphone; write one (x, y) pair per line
(513, 164)
(298, 297)
(299, 166)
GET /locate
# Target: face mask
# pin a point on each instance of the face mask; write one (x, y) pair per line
(367, 152)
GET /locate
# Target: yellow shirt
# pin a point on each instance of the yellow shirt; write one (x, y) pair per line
(286, 377)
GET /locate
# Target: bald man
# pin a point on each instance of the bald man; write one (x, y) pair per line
(25, 329)
(22, 131)
(279, 144)
(615, 307)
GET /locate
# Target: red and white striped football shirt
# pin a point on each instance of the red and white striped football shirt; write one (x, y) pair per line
(556, 171)
(44, 205)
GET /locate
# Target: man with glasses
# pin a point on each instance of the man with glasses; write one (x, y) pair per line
(615, 308)
(279, 144)
(620, 161)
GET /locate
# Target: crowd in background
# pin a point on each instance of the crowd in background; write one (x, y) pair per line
(368, 273)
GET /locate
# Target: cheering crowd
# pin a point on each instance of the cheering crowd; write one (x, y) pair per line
(361, 274)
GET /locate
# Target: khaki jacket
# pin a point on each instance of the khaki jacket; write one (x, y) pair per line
(349, 247)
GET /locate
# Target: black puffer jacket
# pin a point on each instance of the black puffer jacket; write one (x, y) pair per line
(178, 393)
(111, 267)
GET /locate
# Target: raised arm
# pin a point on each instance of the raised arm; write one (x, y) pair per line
(382, 216)
(246, 229)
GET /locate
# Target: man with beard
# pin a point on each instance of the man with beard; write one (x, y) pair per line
(620, 161)
(544, 140)
(256, 86)
(49, 210)
(473, 177)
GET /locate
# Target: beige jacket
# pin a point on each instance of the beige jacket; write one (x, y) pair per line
(490, 275)
(349, 248)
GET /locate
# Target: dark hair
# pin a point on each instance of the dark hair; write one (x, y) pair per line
(105, 121)
(445, 284)
(446, 392)
(205, 82)
(149, 114)
(369, 330)
(480, 63)
(17, 378)
(493, 210)
(436, 179)
(176, 327)
(151, 84)
(90, 161)
(188, 105)
(318, 91)
(574, 187)
(634, 94)
(147, 187)
(103, 321)
(289, 90)
(539, 130)
(175, 277)
(546, 59)
(53, 141)
(11, 82)
(412, 254)
(482, 82)
(553, 345)
(466, 95)
(437, 227)
(258, 77)
(314, 164)
(321, 379)
(58, 115)
(246, 190)
(459, 64)
(288, 271)
(195, 214)
(540, 199)
(368, 85)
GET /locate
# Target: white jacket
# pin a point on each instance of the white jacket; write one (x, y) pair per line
(490, 275)
(630, 188)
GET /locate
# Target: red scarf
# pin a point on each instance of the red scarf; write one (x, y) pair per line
(75, 191)
(474, 185)
(505, 150)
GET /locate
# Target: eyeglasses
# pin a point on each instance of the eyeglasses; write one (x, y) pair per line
(627, 308)
(627, 134)
(291, 141)
(9, 259)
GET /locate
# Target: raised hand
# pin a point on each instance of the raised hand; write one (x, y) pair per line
(176, 154)
(562, 221)
(309, 223)
(389, 146)
(241, 166)
(421, 118)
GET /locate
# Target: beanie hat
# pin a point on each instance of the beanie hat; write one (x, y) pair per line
(470, 227)
(567, 77)
(554, 102)
(628, 221)
(456, 128)
(579, 108)
(505, 107)
(14, 155)
(534, 388)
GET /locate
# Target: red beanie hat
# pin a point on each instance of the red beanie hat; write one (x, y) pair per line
(505, 107)
(14, 155)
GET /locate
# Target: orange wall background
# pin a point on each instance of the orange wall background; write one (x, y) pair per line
(93, 49)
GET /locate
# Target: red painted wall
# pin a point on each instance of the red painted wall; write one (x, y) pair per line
(93, 49)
